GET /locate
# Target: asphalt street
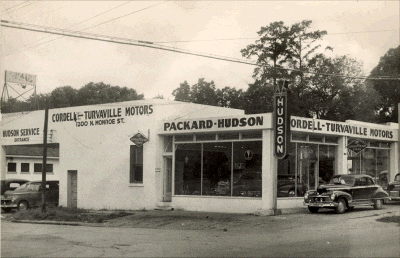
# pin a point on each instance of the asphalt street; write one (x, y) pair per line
(364, 232)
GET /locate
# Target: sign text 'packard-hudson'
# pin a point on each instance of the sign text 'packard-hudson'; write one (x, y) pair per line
(218, 123)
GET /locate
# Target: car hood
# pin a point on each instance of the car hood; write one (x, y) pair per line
(332, 187)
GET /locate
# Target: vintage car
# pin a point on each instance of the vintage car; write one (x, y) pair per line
(394, 188)
(345, 192)
(29, 195)
(287, 185)
(10, 185)
(249, 184)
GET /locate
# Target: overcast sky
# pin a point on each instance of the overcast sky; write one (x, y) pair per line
(365, 30)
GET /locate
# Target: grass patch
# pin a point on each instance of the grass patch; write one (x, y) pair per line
(68, 214)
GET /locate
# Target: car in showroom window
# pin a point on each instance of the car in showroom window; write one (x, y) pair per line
(346, 192)
(394, 188)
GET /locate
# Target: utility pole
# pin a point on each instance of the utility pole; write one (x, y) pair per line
(44, 163)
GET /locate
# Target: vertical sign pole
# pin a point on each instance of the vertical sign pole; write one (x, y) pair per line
(44, 164)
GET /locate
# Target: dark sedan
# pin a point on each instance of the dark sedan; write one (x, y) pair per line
(29, 195)
(10, 185)
(345, 192)
(394, 188)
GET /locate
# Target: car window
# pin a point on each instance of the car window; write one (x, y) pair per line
(34, 187)
(397, 178)
(22, 187)
(369, 181)
(361, 181)
(348, 180)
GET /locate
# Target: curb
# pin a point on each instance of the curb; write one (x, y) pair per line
(48, 222)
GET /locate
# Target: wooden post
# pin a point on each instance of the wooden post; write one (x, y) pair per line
(44, 163)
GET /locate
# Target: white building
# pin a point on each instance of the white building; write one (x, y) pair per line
(195, 157)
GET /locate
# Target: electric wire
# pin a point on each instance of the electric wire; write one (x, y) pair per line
(8, 11)
(76, 24)
(125, 41)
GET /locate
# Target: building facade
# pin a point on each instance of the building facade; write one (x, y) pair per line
(157, 153)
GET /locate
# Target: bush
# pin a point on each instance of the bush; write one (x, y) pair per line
(68, 214)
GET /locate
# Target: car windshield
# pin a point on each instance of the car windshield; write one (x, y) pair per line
(21, 187)
(342, 180)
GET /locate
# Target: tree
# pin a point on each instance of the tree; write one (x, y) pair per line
(202, 92)
(389, 89)
(270, 50)
(100, 93)
(65, 96)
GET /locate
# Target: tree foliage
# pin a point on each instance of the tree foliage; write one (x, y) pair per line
(66, 96)
(389, 89)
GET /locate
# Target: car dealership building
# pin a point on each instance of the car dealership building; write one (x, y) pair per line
(150, 154)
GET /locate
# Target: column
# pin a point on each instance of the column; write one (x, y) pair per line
(269, 176)
(341, 156)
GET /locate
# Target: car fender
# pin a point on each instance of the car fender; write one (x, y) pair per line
(340, 194)
(380, 194)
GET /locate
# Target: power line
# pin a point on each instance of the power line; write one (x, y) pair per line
(124, 41)
(204, 40)
(8, 10)
(31, 45)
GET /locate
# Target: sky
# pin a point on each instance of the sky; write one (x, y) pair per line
(364, 30)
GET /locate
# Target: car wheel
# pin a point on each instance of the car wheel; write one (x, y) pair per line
(23, 205)
(378, 204)
(313, 209)
(6, 210)
(341, 208)
(291, 193)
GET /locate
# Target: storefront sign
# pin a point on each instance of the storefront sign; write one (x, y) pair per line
(281, 121)
(357, 146)
(213, 124)
(20, 135)
(109, 116)
(341, 128)
(139, 139)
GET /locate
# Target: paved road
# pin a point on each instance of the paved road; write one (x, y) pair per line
(361, 233)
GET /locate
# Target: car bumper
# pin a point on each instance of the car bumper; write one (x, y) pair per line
(5, 203)
(394, 195)
(321, 204)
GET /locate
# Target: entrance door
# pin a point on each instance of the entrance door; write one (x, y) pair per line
(167, 194)
(72, 189)
(308, 167)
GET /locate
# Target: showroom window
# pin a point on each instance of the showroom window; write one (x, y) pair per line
(25, 167)
(308, 165)
(136, 164)
(37, 168)
(373, 161)
(12, 167)
(218, 168)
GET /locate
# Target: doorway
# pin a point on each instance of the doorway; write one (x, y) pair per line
(167, 192)
(72, 189)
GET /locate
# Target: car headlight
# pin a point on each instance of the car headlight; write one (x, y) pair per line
(306, 196)
(333, 196)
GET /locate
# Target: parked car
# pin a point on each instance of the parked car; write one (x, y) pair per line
(345, 192)
(29, 195)
(10, 185)
(248, 184)
(394, 188)
(287, 186)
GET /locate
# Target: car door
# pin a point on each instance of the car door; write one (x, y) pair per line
(370, 189)
(360, 192)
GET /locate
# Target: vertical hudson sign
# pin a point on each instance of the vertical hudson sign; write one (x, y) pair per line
(281, 121)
